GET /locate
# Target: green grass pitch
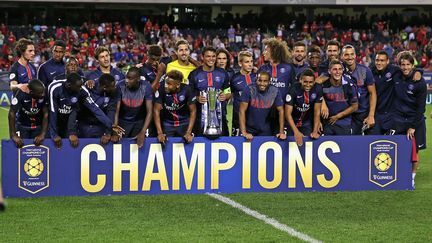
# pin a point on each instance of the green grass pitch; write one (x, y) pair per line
(368, 216)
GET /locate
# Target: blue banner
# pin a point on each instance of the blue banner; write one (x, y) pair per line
(226, 165)
(5, 97)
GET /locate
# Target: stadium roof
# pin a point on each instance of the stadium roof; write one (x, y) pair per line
(253, 2)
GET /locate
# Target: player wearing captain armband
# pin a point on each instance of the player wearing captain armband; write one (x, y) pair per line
(207, 77)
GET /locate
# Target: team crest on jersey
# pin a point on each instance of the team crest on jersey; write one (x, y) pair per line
(218, 79)
(181, 98)
(74, 99)
(40, 101)
(282, 70)
(117, 78)
(313, 96)
(14, 101)
(157, 94)
(288, 98)
(12, 76)
(388, 75)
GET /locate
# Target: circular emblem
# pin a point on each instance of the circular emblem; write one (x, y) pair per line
(12, 76)
(217, 79)
(288, 98)
(157, 94)
(181, 97)
(116, 77)
(383, 161)
(410, 87)
(106, 100)
(282, 70)
(33, 167)
(388, 75)
(40, 101)
(313, 96)
(14, 101)
(74, 99)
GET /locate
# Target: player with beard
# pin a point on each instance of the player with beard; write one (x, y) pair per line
(302, 107)
(54, 66)
(22, 71)
(364, 117)
(299, 58)
(102, 55)
(28, 114)
(223, 60)
(339, 94)
(256, 104)
(174, 108)
(332, 53)
(205, 77)
(105, 96)
(409, 107)
(134, 109)
(239, 83)
(282, 73)
(383, 73)
(182, 63)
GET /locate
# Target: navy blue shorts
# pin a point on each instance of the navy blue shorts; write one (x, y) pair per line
(336, 130)
(26, 132)
(131, 128)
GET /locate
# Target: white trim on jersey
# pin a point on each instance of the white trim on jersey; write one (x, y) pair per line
(51, 91)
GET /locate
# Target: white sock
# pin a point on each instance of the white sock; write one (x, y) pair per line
(413, 175)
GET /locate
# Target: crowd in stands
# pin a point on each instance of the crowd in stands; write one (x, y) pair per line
(128, 45)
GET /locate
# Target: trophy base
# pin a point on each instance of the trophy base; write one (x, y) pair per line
(212, 133)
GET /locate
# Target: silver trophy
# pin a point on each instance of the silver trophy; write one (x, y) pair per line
(212, 114)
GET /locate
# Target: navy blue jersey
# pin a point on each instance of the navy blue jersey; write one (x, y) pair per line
(298, 69)
(28, 110)
(231, 73)
(384, 84)
(175, 107)
(107, 103)
(362, 76)
(62, 104)
(339, 98)
(409, 103)
(323, 67)
(166, 60)
(303, 103)
(148, 72)
(133, 105)
(260, 106)
(200, 80)
(49, 70)
(22, 74)
(239, 83)
(95, 75)
(282, 76)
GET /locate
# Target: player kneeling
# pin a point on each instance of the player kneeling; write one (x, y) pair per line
(174, 108)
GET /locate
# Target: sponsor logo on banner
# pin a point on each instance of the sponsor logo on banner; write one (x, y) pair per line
(383, 162)
(33, 168)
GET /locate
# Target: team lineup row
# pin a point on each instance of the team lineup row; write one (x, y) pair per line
(168, 96)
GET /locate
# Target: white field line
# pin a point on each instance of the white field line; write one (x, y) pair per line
(264, 218)
(4, 108)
